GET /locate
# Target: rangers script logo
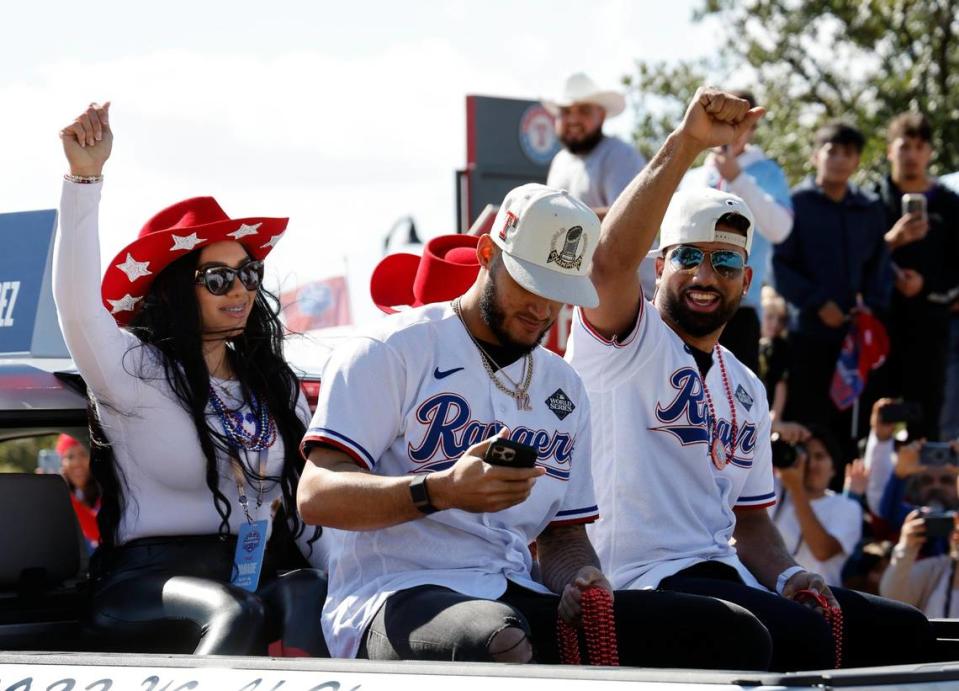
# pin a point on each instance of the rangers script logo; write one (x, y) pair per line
(686, 417)
(574, 246)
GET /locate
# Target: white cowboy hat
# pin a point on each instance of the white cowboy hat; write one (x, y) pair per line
(581, 89)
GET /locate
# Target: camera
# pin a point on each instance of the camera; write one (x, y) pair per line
(914, 204)
(939, 523)
(785, 454)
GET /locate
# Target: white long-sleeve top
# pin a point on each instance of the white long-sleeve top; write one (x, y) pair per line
(153, 436)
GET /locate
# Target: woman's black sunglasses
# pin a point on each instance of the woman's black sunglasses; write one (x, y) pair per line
(219, 279)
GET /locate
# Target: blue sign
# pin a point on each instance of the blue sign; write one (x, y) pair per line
(28, 318)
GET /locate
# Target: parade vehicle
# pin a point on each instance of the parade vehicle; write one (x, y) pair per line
(44, 597)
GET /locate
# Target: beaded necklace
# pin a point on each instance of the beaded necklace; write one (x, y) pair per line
(720, 453)
(264, 432)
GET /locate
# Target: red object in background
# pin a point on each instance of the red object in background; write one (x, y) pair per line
(87, 518)
(311, 389)
(864, 348)
(317, 305)
(558, 334)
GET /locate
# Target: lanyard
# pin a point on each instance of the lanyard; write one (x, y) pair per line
(241, 483)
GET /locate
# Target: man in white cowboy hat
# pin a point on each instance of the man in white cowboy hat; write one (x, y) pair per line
(431, 558)
(592, 167)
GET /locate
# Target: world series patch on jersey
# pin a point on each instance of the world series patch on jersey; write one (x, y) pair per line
(412, 397)
(669, 467)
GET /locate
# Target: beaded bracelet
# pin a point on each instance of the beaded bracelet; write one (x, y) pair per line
(83, 179)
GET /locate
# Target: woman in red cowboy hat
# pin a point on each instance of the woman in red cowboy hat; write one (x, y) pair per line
(196, 419)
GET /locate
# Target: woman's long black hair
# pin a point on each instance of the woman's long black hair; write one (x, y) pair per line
(169, 321)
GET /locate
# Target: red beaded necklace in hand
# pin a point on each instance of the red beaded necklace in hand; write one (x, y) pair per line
(720, 454)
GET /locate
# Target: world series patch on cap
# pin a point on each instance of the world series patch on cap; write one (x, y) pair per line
(548, 238)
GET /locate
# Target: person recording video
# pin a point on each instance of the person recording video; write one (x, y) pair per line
(819, 526)
(929, 584)
(918, 475)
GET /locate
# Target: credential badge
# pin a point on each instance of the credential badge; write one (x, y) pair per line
(574, 246)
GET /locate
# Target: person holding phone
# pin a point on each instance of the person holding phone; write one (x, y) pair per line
(195, 424)
(919, 475)
(446, 440)
(923, 217)
(931, 584)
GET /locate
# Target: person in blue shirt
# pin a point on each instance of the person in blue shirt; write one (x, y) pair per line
(834, 262)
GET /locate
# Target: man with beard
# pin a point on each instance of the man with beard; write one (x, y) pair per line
(681, 447)
(925, 253)
(431, 559)
(592, 167)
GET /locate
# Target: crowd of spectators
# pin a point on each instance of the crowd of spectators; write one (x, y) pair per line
(826, 251)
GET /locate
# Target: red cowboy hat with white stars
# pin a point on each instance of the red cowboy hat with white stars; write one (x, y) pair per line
(178, 230)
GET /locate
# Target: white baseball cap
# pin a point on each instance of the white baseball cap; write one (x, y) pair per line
(692, 216)
(547, 238)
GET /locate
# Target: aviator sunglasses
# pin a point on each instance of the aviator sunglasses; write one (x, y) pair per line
(219, 279)
(726, 263)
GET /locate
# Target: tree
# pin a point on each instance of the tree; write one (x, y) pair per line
(810, 61)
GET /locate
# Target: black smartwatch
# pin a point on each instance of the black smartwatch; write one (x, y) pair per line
(420, 494)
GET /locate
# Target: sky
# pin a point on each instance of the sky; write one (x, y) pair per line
(342, 116)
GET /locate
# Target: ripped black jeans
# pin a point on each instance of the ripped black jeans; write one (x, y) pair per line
(653, 629)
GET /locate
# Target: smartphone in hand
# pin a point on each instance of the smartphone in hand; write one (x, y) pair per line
(936, 453)
(510, 454)
(900, 411)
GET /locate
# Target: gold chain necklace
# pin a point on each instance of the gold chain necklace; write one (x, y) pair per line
(520, 391)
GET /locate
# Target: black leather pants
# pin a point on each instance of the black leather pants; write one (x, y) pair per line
(173, 594)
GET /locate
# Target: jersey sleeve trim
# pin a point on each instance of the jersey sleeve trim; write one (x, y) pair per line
(587, 514)
(753, 507)
(575, 521)
(758, 501)
(592, 331)
(339, 441)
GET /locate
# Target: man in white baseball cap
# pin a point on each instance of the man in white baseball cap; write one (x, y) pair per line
(431, 559)
(592, 167)
(681, 444)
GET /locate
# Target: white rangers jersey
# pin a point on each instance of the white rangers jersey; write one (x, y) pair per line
(665, 503)
(411, 398)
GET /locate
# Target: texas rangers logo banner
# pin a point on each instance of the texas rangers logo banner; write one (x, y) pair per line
(317, 305)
